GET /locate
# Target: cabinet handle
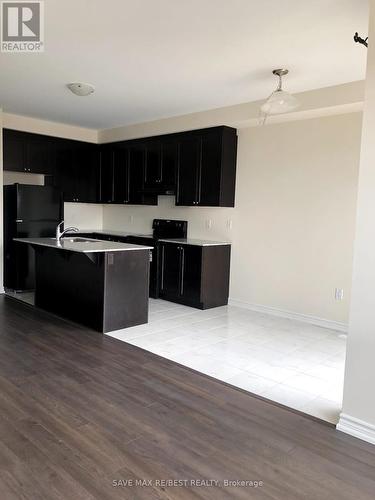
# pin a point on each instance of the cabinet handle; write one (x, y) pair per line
(162, 268)
(182, 270)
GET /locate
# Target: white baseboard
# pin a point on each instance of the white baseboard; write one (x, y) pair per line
(357, 428)
(283, 313)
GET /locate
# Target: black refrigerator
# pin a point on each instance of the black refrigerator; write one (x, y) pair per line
(29, 212)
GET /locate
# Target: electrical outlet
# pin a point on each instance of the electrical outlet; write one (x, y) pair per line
(131, 219)
(229, 224)
(339, 294)
(208, 223)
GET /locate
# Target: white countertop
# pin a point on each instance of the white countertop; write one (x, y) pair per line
(111, 232)
(88, 246)
(193, 241)
(186, 241)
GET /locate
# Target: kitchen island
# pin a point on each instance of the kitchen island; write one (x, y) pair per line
(100, 284)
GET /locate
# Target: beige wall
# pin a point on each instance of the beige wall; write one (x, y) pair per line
(293, 225)
(36, 126)
(22, 178)
(83, 215)
(296, 197)
(328, 101)
(358, 417)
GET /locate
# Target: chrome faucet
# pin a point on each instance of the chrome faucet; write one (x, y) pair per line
(60, 234)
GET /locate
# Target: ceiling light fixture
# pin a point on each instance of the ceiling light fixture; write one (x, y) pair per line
(279, 101)
(81, 89)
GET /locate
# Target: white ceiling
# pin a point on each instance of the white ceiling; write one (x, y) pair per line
(150, 59)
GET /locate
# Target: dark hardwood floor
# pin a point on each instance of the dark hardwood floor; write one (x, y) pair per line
(81, 413)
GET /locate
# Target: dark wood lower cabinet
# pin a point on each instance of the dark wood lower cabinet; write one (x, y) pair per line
(105, 290)
(193, 275)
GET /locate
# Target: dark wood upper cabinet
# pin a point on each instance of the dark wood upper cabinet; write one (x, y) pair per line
(122, 176)
(13, 151)
(137, 177)
(206, 169)
(168, 162)
(152, 167)
(106, 187)
(64, 177)
(199, 166)
(87, 172)
(77, 171)
(40, 155)
(189, 152)
(160, 163)
(25, 152)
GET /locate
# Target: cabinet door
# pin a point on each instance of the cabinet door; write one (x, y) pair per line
(152, 168)
(168, 161)
(121, 176)
(65, 173)
(86, 168)
(13, 151)
(191, 262)
(39, 155)
(106, 175)
(170, 280)
(187, 171)
(209, 175)
(136, 176)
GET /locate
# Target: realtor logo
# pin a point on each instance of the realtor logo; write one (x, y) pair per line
(22, 26)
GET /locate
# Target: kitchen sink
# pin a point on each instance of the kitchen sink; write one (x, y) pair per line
(80, 240)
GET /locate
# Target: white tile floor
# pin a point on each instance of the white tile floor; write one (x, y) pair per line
(293, 363)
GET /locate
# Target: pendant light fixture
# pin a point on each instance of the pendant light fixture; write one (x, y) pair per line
(279, 101)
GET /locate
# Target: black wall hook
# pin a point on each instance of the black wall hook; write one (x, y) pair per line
(358, 39)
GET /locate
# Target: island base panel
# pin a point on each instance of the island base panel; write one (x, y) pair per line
(104, 291)
(126, 289)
